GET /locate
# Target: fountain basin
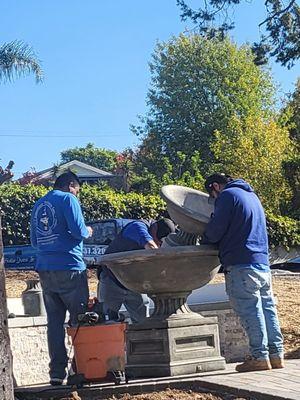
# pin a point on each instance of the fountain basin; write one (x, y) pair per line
(174, 340)
(189, 208)
(165, 270)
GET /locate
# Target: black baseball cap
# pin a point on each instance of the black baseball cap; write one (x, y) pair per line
(216, 178)
(164, 227)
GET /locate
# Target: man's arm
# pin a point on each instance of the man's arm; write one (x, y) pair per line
(151, 245)
(138, 232)
(74, 217)
(220, 221)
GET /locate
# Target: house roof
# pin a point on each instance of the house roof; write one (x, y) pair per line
(82, 170)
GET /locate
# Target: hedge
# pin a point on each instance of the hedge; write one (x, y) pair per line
(283, 231)
(16, 203)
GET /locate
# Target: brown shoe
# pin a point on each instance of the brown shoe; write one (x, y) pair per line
(253, 365)
(277, 362)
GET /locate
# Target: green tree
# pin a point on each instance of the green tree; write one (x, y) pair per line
(6, 174)
(184, 171)
(280, 30)
(197, 86)
(125, 166)
(256, 150)
(95, 156)
(291, 114)
(293, 107)
(16, 59)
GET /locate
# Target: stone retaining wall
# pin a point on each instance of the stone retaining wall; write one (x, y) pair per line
(30, 351)
(233, 339)
(28, 336)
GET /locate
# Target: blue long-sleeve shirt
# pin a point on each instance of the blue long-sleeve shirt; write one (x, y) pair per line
(238, 226)
(133, 236)
(57, 230)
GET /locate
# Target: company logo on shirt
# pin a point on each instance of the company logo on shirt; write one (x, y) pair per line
(45, 219)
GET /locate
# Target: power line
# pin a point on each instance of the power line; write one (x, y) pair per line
(56, 133)
(75, 132)
(60, 136)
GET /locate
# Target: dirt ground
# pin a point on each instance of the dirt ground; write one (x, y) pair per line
(287, 292)
(286, 289)
(173, 394)
(168, 394)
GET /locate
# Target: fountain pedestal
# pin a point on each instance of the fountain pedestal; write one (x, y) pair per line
(173, 341)
(182, 347)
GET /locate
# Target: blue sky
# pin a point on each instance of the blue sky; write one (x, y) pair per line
(95, 57)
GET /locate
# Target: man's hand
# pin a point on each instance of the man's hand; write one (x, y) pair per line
(151, 245)
(90, 230)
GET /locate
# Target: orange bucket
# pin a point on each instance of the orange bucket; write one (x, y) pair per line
(98, 349)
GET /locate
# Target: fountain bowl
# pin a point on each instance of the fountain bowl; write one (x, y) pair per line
(164, 270)
(189, 208)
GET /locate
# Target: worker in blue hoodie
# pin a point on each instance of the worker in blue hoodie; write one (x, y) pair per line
(57, 232)
(238, 226)
(137, 235)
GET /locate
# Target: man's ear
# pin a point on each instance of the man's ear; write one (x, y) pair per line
(153, 229)
(216, 186)
(153, 232)
(73, 185)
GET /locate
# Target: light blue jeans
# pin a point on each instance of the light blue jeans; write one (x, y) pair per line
(250, 294)
(113, 296)
(62, 291)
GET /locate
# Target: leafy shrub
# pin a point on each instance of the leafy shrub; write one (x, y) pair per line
(16, 203)
(283, 231)
(143, 206)
(98, 204)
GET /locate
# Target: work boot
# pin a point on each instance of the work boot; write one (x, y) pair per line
(253, 364)
(277, 362)
(56, 381)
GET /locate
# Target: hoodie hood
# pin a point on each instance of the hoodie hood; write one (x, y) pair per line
(239, 183)
(238, 226)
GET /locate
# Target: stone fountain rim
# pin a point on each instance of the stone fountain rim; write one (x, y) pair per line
(191, 213)
(126, 256)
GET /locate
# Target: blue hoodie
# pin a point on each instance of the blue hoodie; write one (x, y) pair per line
(238, 226)
(133, 236)
(57, 230)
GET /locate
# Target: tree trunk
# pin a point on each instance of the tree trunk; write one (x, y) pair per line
(6, 380)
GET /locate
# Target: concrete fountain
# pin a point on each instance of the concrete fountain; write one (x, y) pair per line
(174, 340)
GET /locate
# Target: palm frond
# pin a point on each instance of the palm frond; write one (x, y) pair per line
(18, 59)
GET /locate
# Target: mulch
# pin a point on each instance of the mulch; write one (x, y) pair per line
(168, 394)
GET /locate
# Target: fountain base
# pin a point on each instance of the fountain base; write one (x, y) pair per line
(173, 346)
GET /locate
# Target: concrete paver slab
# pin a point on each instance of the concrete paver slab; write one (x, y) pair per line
(281, 384)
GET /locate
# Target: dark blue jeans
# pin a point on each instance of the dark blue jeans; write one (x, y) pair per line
(62, 291)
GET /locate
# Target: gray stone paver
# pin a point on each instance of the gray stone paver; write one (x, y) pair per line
(281, 384)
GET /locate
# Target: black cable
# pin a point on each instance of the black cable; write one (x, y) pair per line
(72, 347)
